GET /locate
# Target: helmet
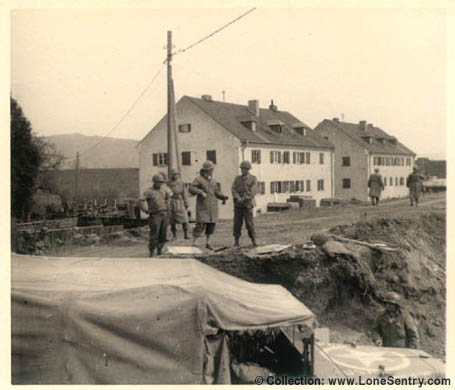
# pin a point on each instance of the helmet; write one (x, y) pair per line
(158, 178)
(393, 297)
(376, 169)
(174, 171)
(245, 164)
(163, 175)
(208, 165)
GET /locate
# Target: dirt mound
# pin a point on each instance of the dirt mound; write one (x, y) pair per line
(344, 286)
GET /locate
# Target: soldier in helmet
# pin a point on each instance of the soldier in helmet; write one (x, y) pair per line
(157, 199)
(244, 189)
(179, 204)
(376, 186)
(208, 193)
(395, 327)
(415, 184)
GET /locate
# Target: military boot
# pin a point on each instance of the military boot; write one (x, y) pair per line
(253, 240)
(237, 242)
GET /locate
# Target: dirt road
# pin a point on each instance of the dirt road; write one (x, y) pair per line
(280, 228)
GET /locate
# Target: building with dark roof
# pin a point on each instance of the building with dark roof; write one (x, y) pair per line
(359, 149)
(432, 168)
(288, 157)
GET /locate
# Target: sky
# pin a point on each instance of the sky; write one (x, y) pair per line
(81, 70)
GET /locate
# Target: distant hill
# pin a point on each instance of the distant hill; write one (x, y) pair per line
(110, 153)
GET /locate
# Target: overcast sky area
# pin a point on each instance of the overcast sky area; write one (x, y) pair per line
(75, 70)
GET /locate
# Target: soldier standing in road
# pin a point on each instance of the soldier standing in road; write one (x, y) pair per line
(376, 186)
(208, 193)
(415, 184)
(178, 205)
(157, 200)
(244, 189)
(395, 327)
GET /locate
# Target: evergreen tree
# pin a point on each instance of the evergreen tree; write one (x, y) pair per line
(25, 162)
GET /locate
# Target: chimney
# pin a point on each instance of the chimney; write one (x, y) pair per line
(335, 119)
(207, 98)
(370, 126)
(272, 106)
(253, 106)
(363, 125)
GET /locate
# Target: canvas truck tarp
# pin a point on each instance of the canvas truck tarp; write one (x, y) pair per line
(134, 321)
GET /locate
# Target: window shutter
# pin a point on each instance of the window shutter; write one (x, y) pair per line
(271, 157)
(155, 159)
(302, 158)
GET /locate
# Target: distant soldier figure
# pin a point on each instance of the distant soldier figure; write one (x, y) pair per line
(415, 184)
(395, 327)
(157, 200)
(178, 206)
(244, 190)
(376, 186)
(208, 193)
(165, 184)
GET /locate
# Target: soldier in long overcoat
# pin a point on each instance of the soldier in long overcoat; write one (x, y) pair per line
(208, 192)
(376, 186)
(415, 184)
(178, 205)
(244, 190)
(395, 327)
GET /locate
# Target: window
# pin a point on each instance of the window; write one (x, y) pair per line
(346, 183)
(346, 161)
(275, 157)
(159, 159)
(286, 158)
(321, 185)
(321, 158)
(396, 181)
(308, 158)
(391, 181)
(308, 185)
(295, 157)
(401, 181)
(186, 158)
(211, 156)
(292, 188)
(302, 158)
(275, 187)
(385, 181)
(261, 187)
(408, 161)
(299, 185)
(256, 156)
(286, 186)
(185, 128)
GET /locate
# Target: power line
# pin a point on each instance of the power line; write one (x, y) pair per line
(213, 33)
(124, 115)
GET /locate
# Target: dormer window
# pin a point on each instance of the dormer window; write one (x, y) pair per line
(393, 141)
(381, 140)
(300, 128)
(277, 128)
(251, 125)
(368, 139)
(276, 125)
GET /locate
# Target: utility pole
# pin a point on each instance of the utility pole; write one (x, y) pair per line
(76, 180)
(170, 131)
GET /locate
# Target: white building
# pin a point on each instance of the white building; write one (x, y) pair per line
(288, 157)
(359, 149)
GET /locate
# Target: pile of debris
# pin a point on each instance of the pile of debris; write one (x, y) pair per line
(351, 268)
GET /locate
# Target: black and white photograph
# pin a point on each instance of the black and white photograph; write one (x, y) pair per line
(227, 193)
